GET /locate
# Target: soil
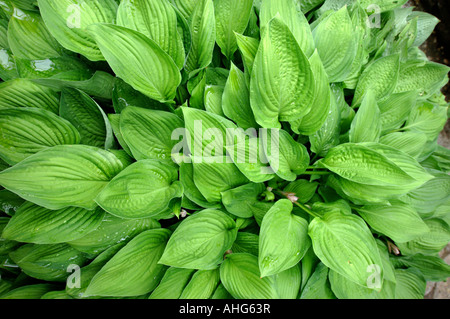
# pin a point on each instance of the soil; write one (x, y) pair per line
(437, 49)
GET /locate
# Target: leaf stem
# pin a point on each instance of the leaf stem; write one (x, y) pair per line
(306, 209)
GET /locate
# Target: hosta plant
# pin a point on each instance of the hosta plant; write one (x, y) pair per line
(221, 149)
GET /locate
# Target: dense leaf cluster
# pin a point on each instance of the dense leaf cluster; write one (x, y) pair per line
(111, 189)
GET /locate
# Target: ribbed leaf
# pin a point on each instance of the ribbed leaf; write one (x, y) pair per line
(380, 77)
(282, 83)
(346, 245)
(336, 44)
(26, 131)
(111, 231)
(410, 284)
(203, 32)
(375, 164)
(200, 241)
(202, 284)
(317, 116)
(157, 20)
(134, 270)
(240, 275)
(142, 190)
(62, 176)
(212, 178)
(138, 60)
(232, 17)
(67, 21)
(366, 126)
(34, 224)
(25, 93)
(47, 262)
(148, 133)
(283, 239)
(88, 117)
(293, 18)
(29, 38)
(172, 284)
(399, 222)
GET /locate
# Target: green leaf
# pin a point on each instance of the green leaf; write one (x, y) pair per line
(248, 154)
(200, 241)
(138, 60)
(157, 20)
(336, 44)
(240, 275)
(427, 118)
(203, 32)
(346, 289)
(63, 67)
(134, 270)
(318, 286)
(202, 284)
(38, 225)
(35, 291)
(302, 189)
(148, 133)
(47, 262)
(111, 231)
(8, 68)
(190, 189)
(67, 21)
(410, 284)
(396, 109)
(236, 92)
(375, 164)
(346, 245)
(100, 84)
(424, 77)
(186, 7)
(88, 117)
(26, 131)
(328, 135)
(142, 190)
(25, 93)
(293, 18)
(428, 197)
(246, 243)
(433, 268)
(248, 47)
(123, 95)
(213, 99)
(380, 77)
(9, 202)
(238, 201)
(426, 24)
(62, 176)
(172, 284)
(283, 239)
(316, 118)
(399, 222)
(288, 282)
(232, 16)
(384, 5)
(213, 178)
(429, 243)
(412, 143)
(282, 82)
(286, 157)
(366, 126)
(29, 38)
